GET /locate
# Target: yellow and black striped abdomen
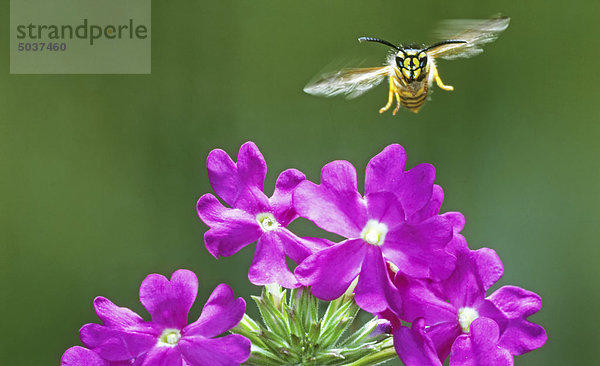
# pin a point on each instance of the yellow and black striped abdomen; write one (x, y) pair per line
(411, 94)
(413, 99)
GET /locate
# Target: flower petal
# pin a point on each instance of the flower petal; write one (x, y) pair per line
(281, 201)
(457, 220)
(162, 356)
(221, 312)
(385, 170)
(222, 175)
(113, 315)
(420, 300)
(457, 244)
(330, 271)
(79, 356)
(298, 249)
(120, 363)
(464, 287)
(335, 205)
(474, 270)
(169, 302)
(414, 347)
(124, 336)
(230, 350)
(251, 166)
(418, 250)
(214, 214)
(385, 207)
(520, 335)
(375, 292)
(118, 344)
(211, 211)
(239, 185)
(489, 265)
(432, 207)
(253, 201)
(416, 187)
(231, 229)
(480, 348)
(269, 264)
(443, 336)
(391, 317)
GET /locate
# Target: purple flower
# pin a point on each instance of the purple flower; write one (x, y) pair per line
(166, 340)
(253, 216)
(414, 347)
(479, 349)
(395, 222)
(79, 356)
(453, 317)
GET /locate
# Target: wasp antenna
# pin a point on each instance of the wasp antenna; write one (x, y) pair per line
(449, 41)
(370, 39)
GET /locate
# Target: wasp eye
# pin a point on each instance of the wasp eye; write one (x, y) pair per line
(400, 62)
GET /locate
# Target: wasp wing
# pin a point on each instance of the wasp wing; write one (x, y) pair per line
(351, 82)
(474, 33)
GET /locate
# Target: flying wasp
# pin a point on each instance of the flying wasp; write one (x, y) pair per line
(412, 70)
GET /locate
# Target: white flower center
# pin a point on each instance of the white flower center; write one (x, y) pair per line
(267, 221)
(374, 232)
(466, 317)
(169, 338)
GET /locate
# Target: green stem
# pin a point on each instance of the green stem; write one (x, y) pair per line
(387, 353)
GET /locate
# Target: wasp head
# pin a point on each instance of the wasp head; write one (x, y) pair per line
(412, 63)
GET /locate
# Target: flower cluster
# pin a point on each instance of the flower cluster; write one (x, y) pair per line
(400, 259)
(125, 338)
(403, 259)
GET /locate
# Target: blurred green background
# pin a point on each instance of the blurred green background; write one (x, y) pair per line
(100, 173)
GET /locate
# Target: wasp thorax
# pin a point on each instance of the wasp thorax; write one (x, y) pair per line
(412, 63)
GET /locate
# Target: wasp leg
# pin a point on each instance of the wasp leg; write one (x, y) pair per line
(439, 82)
(390, 97)
(397, 103)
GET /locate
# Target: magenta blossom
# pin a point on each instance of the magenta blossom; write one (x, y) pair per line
(253, 216)
(125, 338)
(79, 356)
(453, 317)
(396, 221)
